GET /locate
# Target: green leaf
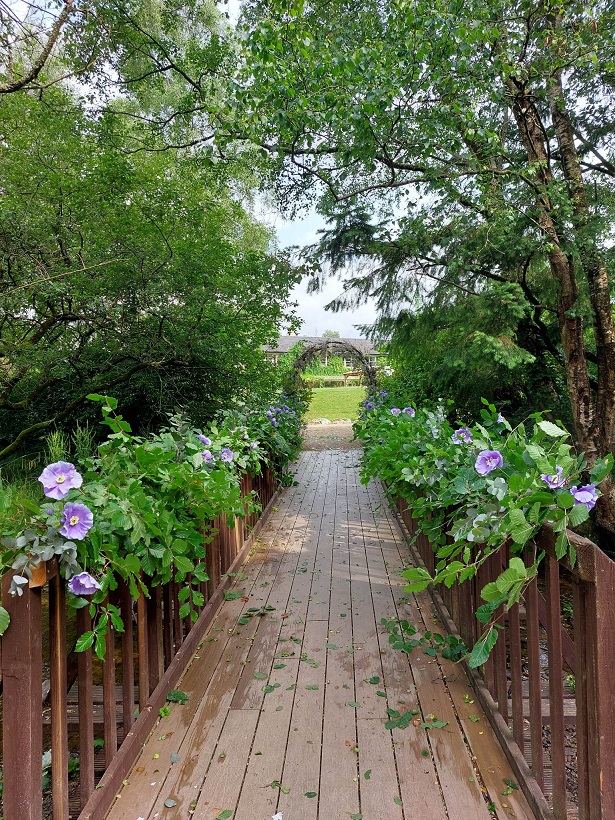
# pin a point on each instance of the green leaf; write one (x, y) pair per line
(520, 531)
(225, 814)
(561, 545)
(310, 794)
(374, 679)
(5, 619)
(232, 595)
(368, 774)
(183, 564)
(260, 675)
(552, 430)
(483, 648)
(578, 514)
(601, 469)
(84, 642)
(565, 501)
(354, 704)
(397, 800)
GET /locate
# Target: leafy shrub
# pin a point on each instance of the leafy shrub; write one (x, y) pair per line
(477, 488)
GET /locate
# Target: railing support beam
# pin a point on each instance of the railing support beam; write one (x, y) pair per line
(22, 682)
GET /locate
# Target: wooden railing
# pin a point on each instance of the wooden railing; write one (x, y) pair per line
(101, 711)
(549, 684)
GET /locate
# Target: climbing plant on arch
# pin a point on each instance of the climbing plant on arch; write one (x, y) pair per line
(337, 347)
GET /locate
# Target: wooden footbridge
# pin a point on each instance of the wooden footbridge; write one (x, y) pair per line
(286, 711)
(286, 700)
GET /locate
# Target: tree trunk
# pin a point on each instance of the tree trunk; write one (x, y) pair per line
(593, 413)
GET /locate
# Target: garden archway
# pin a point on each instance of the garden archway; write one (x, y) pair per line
(336, 347)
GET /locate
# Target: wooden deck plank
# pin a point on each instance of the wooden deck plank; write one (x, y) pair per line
(328, 564)
(418, 780)
(339, 791)
(189, 726)
(302, 757)
(222, 787)
(488, 758)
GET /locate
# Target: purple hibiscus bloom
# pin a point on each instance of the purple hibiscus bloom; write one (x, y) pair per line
(226, 455)
(76, 520)
(204, 440)
(369, 405)
(83, 584)
(487, 461)
(253, 445)
(269, 414)
(274, 422)
(554, 481)
(500, 419)
(207, 456)
(285, 408)
(395, 411)
(278, 410)
(383, 393)
(409, 411)
(585, 495)
(58, 478)
(462, 436)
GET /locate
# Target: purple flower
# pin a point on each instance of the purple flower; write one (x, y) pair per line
(500, 419)
(462, 436)
(487, 461)
(274, 422)
(285, 408)
(383, 393)
(226, 455)
(254, 445)
(369, 405)
(555, 481)
(207, 456)
(58, 478)
(204, 440)
(409, 410)
(585, 495)
(278, 410)
(83, 584)
(395, 411)
(76, 520)
(49, 510)
(269, 413)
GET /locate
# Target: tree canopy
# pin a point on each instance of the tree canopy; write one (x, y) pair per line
(141, 274)
(452, 145)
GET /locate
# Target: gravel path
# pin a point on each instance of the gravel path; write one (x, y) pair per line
(335, 436)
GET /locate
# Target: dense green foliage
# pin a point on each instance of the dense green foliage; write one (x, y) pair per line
(478, 488)
(119, 269)
(454, 148)
(153, 501)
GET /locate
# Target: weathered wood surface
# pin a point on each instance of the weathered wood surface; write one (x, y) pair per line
(281, 714)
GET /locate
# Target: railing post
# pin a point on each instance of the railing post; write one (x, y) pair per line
(600, 649)
(22, 681)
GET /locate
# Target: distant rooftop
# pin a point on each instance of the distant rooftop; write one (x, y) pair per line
(285, 343)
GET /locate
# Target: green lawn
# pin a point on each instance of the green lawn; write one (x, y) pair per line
(335, 403)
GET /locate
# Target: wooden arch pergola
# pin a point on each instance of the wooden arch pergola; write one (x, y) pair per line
(336, 347)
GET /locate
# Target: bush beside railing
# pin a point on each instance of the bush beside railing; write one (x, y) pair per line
(514, 686)
(154, 634)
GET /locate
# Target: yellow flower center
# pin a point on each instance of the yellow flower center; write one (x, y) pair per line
(74, 519)
(60, 479)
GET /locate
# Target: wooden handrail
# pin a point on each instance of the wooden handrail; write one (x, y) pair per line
(541, 676)
(163, 643)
